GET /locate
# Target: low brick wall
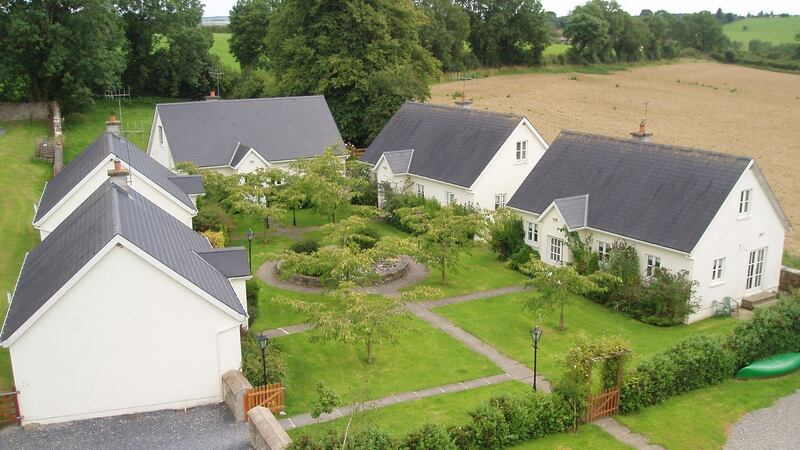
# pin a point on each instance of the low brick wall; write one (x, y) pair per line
(790, 278)
(386, 276)
(265, 431)
(24, 111)
(234, 388)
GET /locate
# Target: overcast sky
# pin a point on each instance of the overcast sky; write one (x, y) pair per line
(563, 7)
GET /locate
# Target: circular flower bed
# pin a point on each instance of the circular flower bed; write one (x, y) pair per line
(387, 270)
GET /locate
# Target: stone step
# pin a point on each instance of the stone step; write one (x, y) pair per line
(762, 298)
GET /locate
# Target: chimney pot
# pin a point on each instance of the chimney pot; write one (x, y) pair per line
(642, 135)
(119, 174)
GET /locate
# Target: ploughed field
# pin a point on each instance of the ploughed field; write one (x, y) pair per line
(721, 107)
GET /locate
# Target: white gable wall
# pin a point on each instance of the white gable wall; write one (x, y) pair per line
(76, 198)
(157, 149)
(125, 338)
(733, 238)
(504, 174)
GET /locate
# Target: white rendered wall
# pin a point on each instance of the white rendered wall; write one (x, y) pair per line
(76, 198)
(732, 238)
(433, 189)
(126, 338)
(158, 150)
(504, 174)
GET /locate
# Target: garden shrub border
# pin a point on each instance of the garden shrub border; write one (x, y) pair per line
(385, 276)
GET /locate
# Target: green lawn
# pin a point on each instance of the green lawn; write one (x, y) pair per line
(502, 322)
(222, 49)
(776, 30)
(791, 260)
(424, 358)
(403, 418)
(556, 49)
(704, 417)
(480, 271)
(588, 437)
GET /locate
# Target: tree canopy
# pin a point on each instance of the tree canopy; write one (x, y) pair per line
(249, 24)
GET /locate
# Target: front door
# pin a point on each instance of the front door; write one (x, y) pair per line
(755, 269)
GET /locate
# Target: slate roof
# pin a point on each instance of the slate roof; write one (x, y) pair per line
(399, 161)
(450, 144)
(656, 193)
(113, 210)
(231, 261)
(209, 133)
(96, 153)
(574, 210)
(190, 184)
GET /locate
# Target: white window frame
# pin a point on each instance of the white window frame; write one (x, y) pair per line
(532, 231)
(522, 151)
(603, 249)
(653, 262)
(755, 269)
(718, 271)
(499, 200)
(161, 134)
(556, 250)
(420, 190)
(745, 202)
(449, 198)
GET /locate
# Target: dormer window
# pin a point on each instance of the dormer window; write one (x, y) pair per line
(522, 150)
(744, 202)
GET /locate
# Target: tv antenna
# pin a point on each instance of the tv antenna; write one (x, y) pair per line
(217, 74)
(464, 103)
(119, 95)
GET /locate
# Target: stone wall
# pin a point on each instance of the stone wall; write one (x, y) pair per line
(24, 111)
(234, 387)
(265, 431)
(386, 276)
(790, 278)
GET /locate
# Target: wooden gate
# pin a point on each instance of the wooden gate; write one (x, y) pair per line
(9, 407)
(269, 396)
(603, 404)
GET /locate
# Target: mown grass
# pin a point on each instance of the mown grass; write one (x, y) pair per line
(588, 437)
(776, 30)
(222, 49)
(423, 358)
(502, 322)
(791, 260)
(556, 49)
(702, 419)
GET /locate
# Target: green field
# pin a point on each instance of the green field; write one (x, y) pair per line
(556, 49)
(776, 30)
(222, 49)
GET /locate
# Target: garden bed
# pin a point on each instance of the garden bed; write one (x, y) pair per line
(387, 271)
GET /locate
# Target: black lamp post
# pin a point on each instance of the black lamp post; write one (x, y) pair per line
(250, 236)
(536, 334)
(262, 342)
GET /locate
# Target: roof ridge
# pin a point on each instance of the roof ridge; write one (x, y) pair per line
(657, 145)
(231, 100)
(458, 108)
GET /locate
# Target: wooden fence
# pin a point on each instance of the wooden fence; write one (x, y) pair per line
(9, 407)
(603, 404)
(270, 396)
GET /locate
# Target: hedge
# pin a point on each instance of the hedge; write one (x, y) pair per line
(769, 332)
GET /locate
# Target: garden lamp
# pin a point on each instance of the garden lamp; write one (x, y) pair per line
(262, 342)
(250, 236)
(536, 334)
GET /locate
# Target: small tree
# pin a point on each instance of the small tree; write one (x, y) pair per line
(355, 318)
(324, 181)
(557, 285)
(623, 263)
(584, 259)
(505, 232)
(258, 195)
(442, 235)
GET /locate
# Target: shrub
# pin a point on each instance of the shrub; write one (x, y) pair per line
(771, 331)
(371, 439)
(653, 381)
(521, 257)
(623, 262)
(215, 238)
(429, 437)
(252, 288)
(395, 201)
(305, 246)
(251, 361)
(212, 216)
(506, 235)
(366, 238)
(667, 298)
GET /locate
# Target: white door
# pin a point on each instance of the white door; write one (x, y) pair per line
(755, 269)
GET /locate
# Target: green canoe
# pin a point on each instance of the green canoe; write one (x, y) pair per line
(773, 366)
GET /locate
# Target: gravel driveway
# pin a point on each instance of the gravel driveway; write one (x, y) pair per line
(204, 427)
(770, 428)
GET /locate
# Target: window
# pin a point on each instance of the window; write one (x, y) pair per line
(744, 202)
(449, 198)
(160, 134)
(556, 249)
(755, 268)
(652, 263)
(420, 190)
(522, 150)
(718, 270)
(603, 249)
(532, 231)
(499, 201)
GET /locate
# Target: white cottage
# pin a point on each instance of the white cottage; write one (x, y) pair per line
(708, 213)
(242, 136)
(175, 194)
(455, 155)
(123, 309)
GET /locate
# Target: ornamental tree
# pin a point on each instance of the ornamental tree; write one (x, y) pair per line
(324, 181)
(258, 194)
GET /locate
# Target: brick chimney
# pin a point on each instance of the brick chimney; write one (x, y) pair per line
(113, 125)
(119, 174)
(642, 135)
(212, 96)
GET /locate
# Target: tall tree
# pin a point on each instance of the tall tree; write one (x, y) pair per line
(249, 24)
(445, 33)
(60, 50)
(508, 31)
(363, 55)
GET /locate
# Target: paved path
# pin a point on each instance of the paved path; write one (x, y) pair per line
(473, 296)
(625, 435)
(285, 331)
(775, 427)
(204, 427)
